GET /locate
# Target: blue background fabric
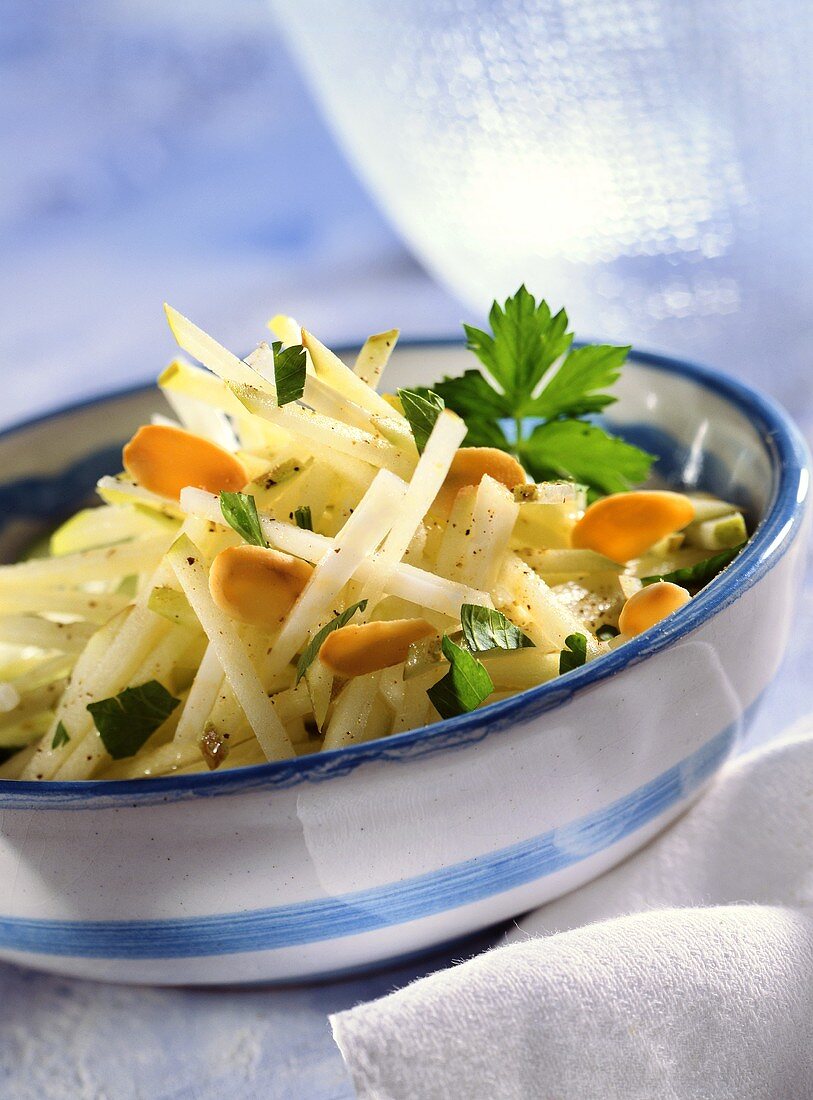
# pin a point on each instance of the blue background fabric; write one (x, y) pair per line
(156, 151)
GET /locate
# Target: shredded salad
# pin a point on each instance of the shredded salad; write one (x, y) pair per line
(295, 561)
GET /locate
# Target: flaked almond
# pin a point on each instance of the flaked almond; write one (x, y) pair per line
(469, 467)
(165, 460)
(356, 650)
(649, 606)
(625, 525)
(255, 585)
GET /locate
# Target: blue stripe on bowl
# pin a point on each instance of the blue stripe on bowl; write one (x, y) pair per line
(380, 907)
(775, 535)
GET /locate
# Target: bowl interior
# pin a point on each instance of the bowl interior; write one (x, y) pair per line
(703, 439)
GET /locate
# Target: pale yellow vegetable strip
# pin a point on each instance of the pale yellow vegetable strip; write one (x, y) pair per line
(89, 565)
(120, 491)
(332, 370)
(103, 669)
(201, 419)
(527, 600)
(574, 563)
(324, 399)
(319, 684)
(30, 630)
(94, 527)
(222, 634)
(492, 521)
(9, 698)
(374, 356)
(351, 712)
(201, 346)
(201, 698)
(415, 708)
(95, 608)
(359, 537)
(286, 329)
(158, 664)
(326, 431)
(430, 473)
(452, 553)
(406, 581)
(519, 669)
(42, 672)
(184, 378)
(33, 702)
(17, 766)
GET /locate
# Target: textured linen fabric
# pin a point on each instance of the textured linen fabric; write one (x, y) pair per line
(685, 973)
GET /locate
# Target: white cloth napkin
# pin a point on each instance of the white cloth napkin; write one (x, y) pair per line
(620, 991)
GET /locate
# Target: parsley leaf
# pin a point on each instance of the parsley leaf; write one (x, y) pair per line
(574, 388)
(311, 651)
(695, 576)
(289, 372)
(421, 408)
(531, 373)
(61, 736)
(240, 512)
(485, 629)
(574, 654)
(465, 685)
(527, 340)
(303, 517)
(584, 452)
(473, 398)
(125, 721)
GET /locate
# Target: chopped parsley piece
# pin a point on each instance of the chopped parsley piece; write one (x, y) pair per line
(303, 517)
(532, 378)
(574, 654)
(125, 721)
(464, 687)
(240, 512)
(289, 372)
(61, 736)
(485, 629)
(695, 576)
(311, 651)
(421, 408)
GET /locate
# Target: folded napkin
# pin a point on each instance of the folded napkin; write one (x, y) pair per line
(618, 990)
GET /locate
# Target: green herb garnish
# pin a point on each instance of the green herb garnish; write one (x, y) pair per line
(574, 654)
(695, 576)
(240, 512)
(303, 517)
(289, 372)
(311, 651)
(421, 408)
(516, 385)
(485, 629)
(464, 687)
(61, 736)
(125, 721)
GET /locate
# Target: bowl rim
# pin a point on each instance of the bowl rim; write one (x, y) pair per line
(790, 461)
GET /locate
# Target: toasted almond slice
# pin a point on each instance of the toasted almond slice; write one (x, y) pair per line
(358, 649)
(469, 467)
(625, 525)
(165, 460)
(649, 606)
(255, 585)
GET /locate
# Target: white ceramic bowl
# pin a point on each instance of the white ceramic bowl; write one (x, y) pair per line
(350, 858)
